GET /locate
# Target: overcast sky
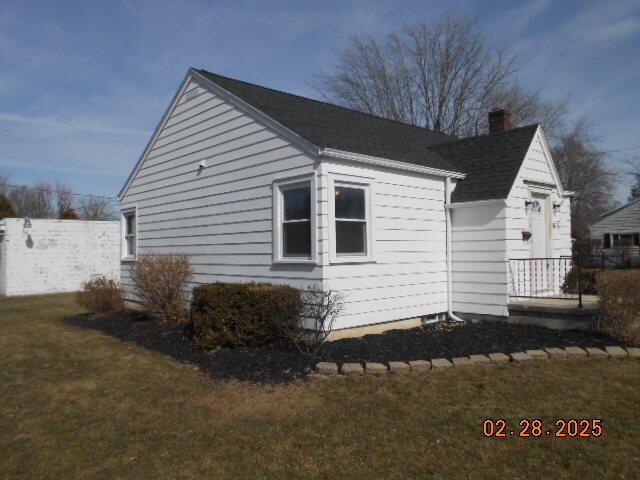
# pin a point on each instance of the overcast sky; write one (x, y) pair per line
(83, 83)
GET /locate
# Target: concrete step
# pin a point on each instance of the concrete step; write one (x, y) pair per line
(557, 315)
(550, 322)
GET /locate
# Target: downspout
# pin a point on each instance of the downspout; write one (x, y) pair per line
(447, 209)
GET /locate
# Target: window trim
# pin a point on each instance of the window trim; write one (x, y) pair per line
(367, 185)
(279, 185)
(133, 211)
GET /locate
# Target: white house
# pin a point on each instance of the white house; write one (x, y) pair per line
(261, 185)
(618, 231)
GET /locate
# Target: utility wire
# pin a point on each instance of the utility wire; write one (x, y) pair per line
(621, 149)
(9, 185)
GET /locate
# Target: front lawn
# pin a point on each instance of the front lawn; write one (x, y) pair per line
(80, 403)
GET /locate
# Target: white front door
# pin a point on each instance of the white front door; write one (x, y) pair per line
(540, 242)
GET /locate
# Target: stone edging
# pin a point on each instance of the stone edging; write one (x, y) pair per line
(437, 364)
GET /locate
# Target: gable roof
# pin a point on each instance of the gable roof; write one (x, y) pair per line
(490, 162)
(331, 126)
(605, 215)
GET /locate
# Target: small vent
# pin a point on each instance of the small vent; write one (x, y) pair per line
(191, 94)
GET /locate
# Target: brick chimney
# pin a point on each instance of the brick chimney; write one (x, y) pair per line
(499, 120)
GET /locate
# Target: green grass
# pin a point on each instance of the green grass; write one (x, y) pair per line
(75, 403)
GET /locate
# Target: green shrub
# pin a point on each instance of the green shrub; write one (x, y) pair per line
(244, 314)
(589, 277)
(159, 282)
(619, 304)
(101, 295)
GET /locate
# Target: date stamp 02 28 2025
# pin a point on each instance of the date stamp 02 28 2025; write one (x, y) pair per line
(534, 428)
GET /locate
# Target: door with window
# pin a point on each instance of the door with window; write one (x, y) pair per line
(539, 221)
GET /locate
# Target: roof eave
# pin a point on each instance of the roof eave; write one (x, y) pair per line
(478, 203)
(387, 163)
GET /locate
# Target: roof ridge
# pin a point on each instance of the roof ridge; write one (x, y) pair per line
(484, 135)
(452, 137)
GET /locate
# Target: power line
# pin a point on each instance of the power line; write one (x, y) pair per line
(637, 147)
(9, 185)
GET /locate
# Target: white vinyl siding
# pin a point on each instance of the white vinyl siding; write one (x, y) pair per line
(478, 261)
(626, 220)
(406, 277)
(220, 215)
(536, 175)
(536, 168)
(485, 237)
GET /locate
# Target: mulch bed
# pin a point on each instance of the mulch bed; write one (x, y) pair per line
(271, 364)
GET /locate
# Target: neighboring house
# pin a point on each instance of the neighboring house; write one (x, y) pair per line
(260, 185)
(617, 233)
(47, 255)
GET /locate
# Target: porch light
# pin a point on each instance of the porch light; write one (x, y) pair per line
(556, 208)
(27, 223)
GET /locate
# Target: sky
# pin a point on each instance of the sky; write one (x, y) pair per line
(84, 83)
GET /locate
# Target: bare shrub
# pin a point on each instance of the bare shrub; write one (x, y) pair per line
(101, 295)
(620, 304)
(160, 281)
(321, 308)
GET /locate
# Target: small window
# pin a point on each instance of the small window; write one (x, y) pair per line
(350, 221)
(296, 221)
(130, 234)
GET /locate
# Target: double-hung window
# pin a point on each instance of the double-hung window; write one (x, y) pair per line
(296, 222)
(294, 239)
(351, 222)
(130, 232)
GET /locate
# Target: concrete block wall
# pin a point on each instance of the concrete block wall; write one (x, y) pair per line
(56, 255)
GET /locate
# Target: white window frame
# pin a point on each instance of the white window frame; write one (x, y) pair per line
(279, 186)
(126, 257)
(367, 185)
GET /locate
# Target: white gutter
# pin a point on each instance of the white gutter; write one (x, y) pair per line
(447, 210)
(385, 162)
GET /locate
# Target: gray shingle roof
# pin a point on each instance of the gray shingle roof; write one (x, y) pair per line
(491, 162)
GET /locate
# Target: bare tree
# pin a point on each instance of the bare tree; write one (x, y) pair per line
(634, 171)
(4, 182)
(43, 200)
(36, 201)
(21, 199)
(96, 208)
(64, 200)
(441, 75)
(582, 169)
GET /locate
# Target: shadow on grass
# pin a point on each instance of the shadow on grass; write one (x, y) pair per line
(258, 365)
